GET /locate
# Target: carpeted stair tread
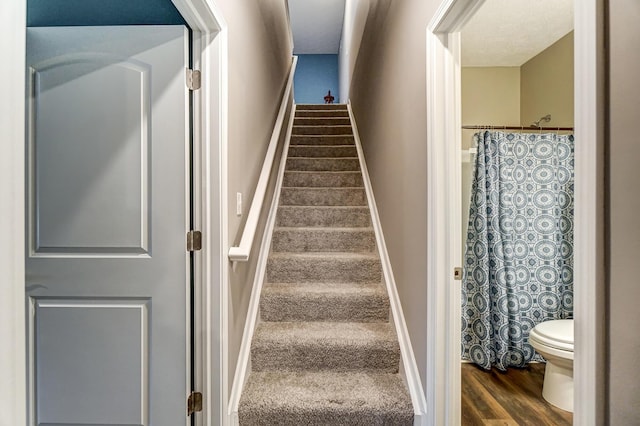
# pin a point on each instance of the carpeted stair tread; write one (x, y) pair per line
(325, 351)
(302, 178)
(341, 164)
(321, 121)
(310, 196)
(327, 151)
(323, 239)
(338, 302)
(322, 130)
(312, 216)
(335, 267)
(322, 140)
(325, 399)
(319, 346)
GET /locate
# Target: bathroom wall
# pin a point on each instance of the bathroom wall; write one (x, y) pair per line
(546, 85)
(315, 75)
(490, 95)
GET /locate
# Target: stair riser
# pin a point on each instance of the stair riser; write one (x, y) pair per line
(331, 151)
(321, 121)
(337, 270)
(321, 113)
(323, 164)
(334, 307)
(323, 197)
(322, 140)
(336, 217)
(322, 130)
(322, 179)
(310, 240)
(383, 357)
(317, 107)
(330, 417)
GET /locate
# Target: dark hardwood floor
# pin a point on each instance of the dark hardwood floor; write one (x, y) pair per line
(506, 399)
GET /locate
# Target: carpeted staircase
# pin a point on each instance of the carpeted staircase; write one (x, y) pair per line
(324, 352)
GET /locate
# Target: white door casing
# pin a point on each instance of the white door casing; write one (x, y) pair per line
(107, 272)
(443, 105)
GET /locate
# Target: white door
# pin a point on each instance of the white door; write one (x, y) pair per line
(107, 215)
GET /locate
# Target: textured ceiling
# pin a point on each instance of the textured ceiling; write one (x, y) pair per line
(510, 32)
(316, 25)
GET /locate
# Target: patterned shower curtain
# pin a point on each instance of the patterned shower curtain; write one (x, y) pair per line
(519, 250)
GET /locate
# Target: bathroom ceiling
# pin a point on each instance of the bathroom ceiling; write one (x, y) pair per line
(316, 25)
(510, 32)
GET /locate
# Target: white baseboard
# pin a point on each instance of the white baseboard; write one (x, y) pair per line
(409, 367)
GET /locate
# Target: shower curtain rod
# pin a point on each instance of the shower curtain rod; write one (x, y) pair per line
(521, 128)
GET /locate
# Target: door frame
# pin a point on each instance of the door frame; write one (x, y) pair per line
(210, 54)
(443, 211)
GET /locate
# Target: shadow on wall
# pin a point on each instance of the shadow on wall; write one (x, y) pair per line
(315, 76)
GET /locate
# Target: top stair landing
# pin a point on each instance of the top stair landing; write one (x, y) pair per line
(339, 107)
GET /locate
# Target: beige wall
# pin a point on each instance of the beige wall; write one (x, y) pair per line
(624, 205)
(259, 61)
(388, 97)
(355, 19)
(490, 95)
(547, 85)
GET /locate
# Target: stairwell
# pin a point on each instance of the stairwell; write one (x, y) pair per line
(324, 352)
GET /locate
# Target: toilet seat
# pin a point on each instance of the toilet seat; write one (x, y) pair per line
(556, 334)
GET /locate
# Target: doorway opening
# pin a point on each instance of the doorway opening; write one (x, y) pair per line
(517, 95)
(444, 155)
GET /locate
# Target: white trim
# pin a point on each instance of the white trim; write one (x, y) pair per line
(452, 15)
(589, 298)
(210, 55)
(13, 403)
(410, 367)
(241, 252)
(443, 341)
(244, 364)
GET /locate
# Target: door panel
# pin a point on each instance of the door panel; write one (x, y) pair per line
(111, 334)
(93, 171)
(107, 270)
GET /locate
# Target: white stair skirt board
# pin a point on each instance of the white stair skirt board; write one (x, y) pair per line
(408, 366)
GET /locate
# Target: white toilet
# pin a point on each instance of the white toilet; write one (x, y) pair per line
(554, 341)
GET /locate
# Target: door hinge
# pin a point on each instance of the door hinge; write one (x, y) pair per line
(193, 79)
(194, 403)
(194, 240)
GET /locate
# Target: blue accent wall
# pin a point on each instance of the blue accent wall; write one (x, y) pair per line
(315, 75)
(56, 13)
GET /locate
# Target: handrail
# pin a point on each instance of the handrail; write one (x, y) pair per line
(241, 252)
